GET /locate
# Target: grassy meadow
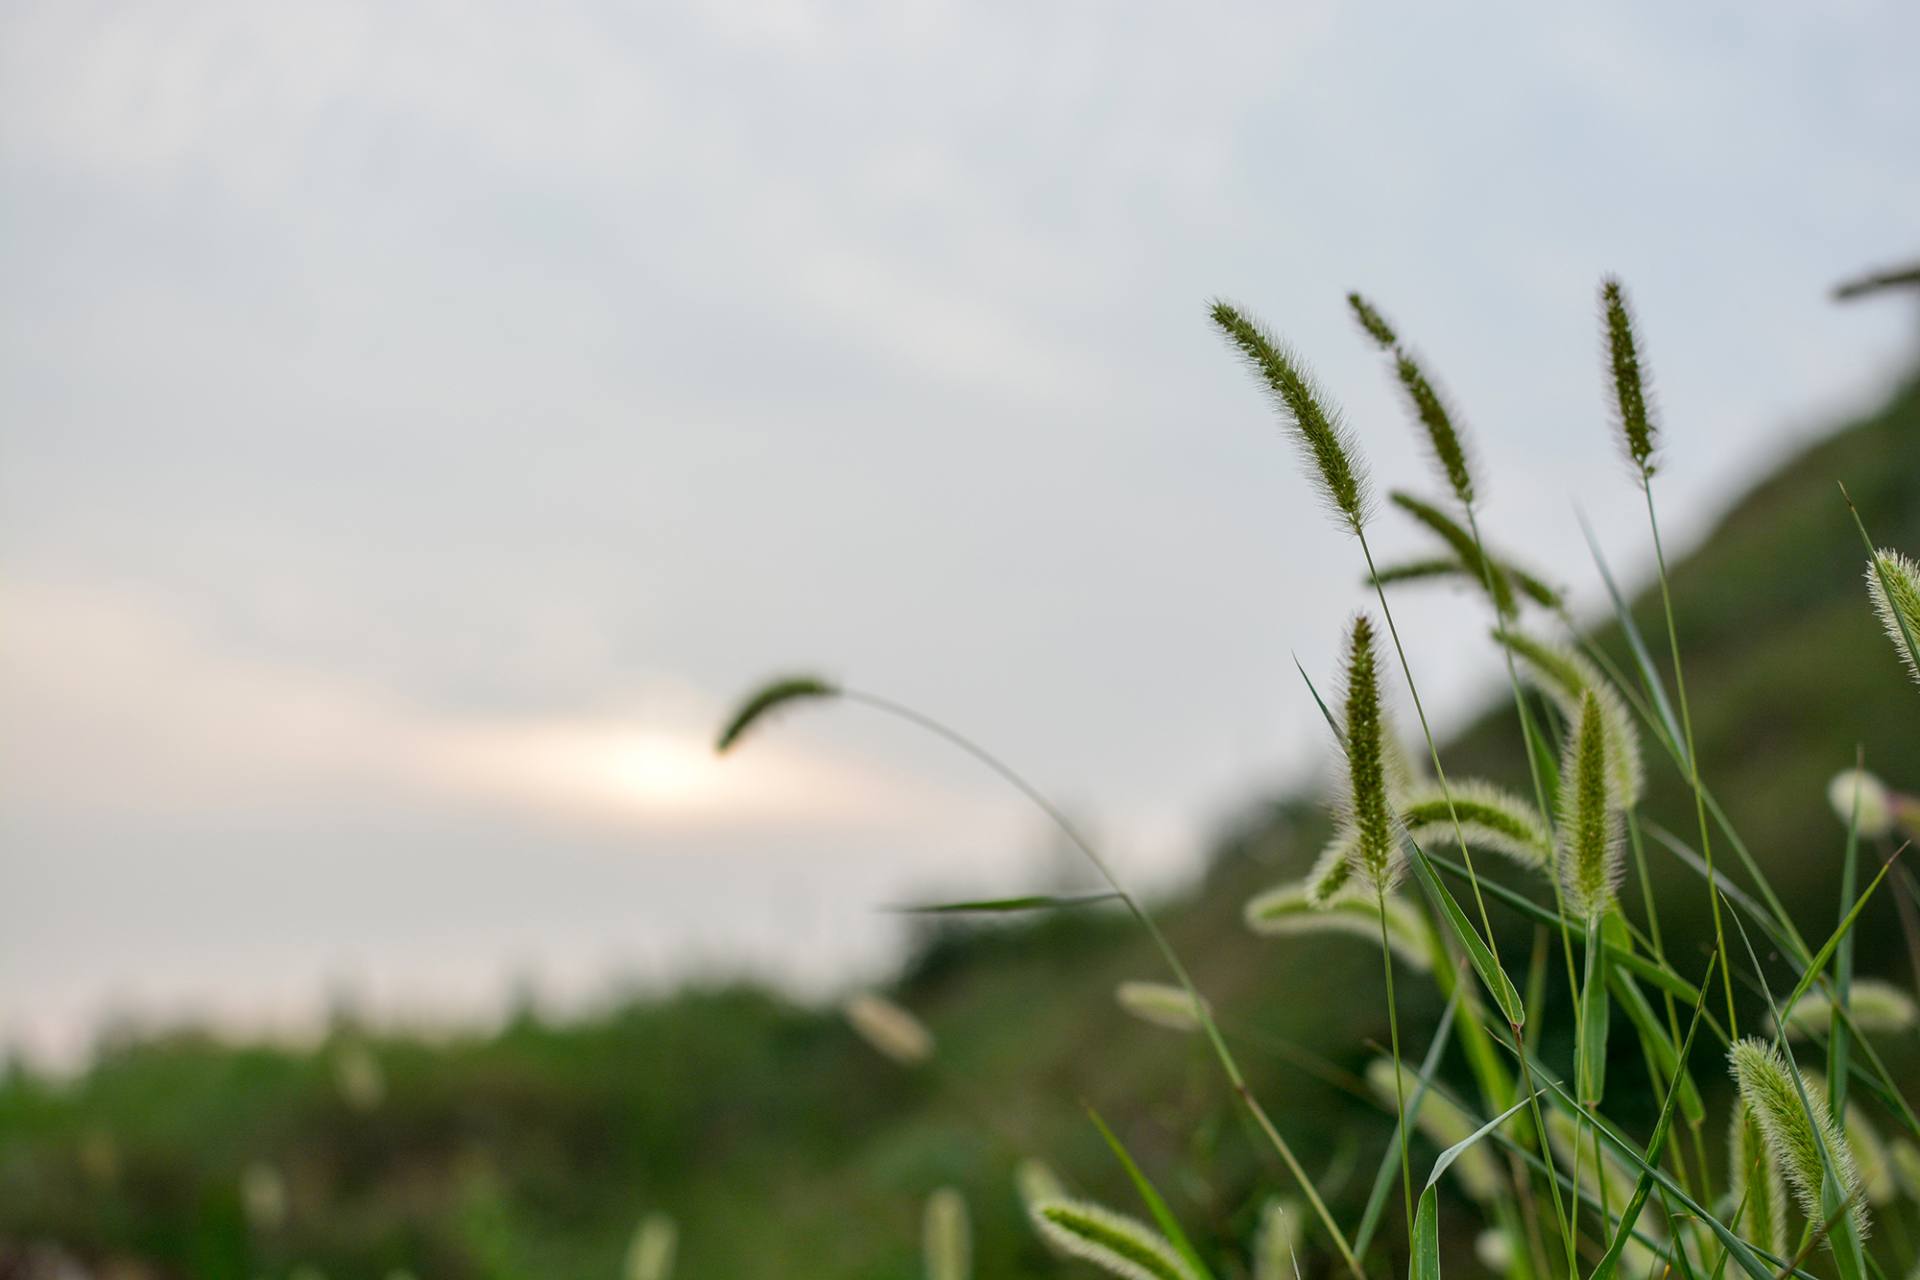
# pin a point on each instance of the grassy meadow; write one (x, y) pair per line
(728, 1132)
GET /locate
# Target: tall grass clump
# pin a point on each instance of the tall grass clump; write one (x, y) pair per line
(1559, 1092)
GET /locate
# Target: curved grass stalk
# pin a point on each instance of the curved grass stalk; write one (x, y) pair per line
(1235, 1078)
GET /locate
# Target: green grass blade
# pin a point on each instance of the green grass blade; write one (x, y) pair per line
(1843, 969)
(1655, 1145)
(1653, 1037)
(1743, 1253)
(1425, 1263)
(1492, 976)
(1661, 976)
(1389, 1160)
(988, 906)
(1446, 1158)
(1156, 1205)
(1822, 956)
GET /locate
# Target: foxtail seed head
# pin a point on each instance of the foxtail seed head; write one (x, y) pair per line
(1160, 1003)
(1589, 822)
(1372, 322)
(1314, 425)
(1796, 1134)
(1894, 582)
(1332, 873)
(892, 1031)
(1872, 1005)
(946, 1238)
(1489, 817)
(1486, 575)
(1275, 1249)
(1860, 800)
(1376, 847)
(769, 696)
(1443, 438)
(650, 1254)
(1753, 1174)
(1290, 909)
(1119, 1245)
(1631, 408)
(1567, 677)
(1036, 1182)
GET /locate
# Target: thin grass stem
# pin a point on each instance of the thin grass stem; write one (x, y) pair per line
(1693, 758)
(1228, 1064)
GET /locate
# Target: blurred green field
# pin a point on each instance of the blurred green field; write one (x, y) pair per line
(784, 1146)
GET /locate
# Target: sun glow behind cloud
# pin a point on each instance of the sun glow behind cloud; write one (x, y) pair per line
(121, 705)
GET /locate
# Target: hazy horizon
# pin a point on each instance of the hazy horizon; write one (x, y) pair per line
(421, 422)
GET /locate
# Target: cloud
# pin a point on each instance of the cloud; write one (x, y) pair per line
(420, 417)
(124, 710)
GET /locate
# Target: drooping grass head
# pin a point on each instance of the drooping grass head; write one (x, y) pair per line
(1335, 466)
(1429, 407)
(1632, 407)
(1372, 322)
(1797, 1130)
(1443, 438)
(769, 697)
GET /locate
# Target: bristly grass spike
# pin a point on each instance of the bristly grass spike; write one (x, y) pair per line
(1590, 861)
(1376, 845)
(1795, 1133)
(1373, 322)
(1632, 404)
(1894, 583)
(1119, 1245)
(774, 694)
(1328, 444)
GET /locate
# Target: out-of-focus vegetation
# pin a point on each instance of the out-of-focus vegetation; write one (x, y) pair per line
(782, 1145)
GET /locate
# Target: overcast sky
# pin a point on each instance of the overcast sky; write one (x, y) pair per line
(417, 422)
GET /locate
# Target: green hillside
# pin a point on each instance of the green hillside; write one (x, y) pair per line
(784, 1146)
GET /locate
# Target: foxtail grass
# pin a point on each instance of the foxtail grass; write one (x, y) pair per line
(1276, 1247)
(890, 1030)
(1115, 1243)
(1336, 469)
(1798, 1130)
(650, 1253)
(1159, 1003)
(788, 689)
(1590, 825)
(1291, 910)
(947, 1238)
(1755, 1182)
(1872, 1005)
(1640, 437)
(771, 696)
(1893, 582)
(1860, 800)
